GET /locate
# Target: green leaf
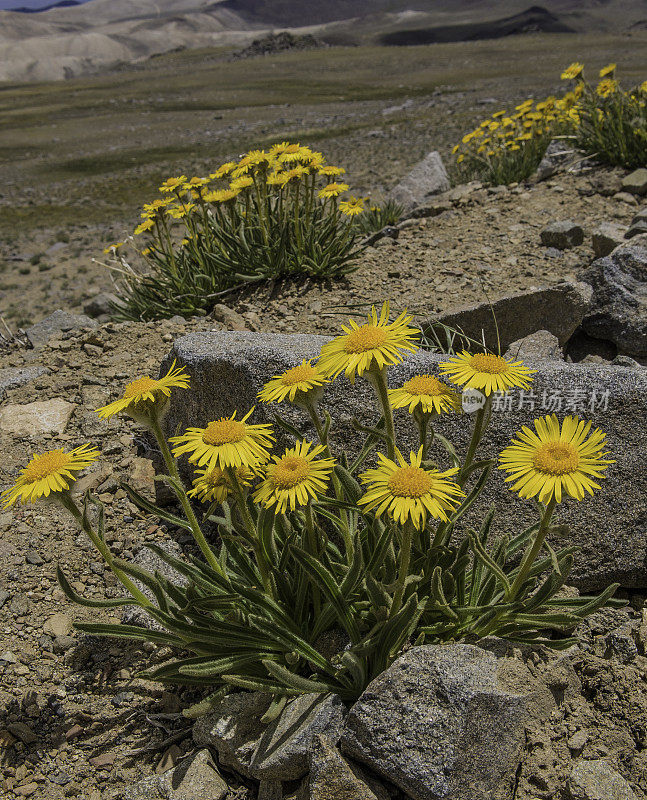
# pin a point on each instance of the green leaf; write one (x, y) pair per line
(302, 685)
(150, 508)
(79, 600)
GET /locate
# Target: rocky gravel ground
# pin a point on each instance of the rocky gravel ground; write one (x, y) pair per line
(75, 719)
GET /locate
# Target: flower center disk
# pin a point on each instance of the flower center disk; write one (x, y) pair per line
(367, 337)
(493, 365)
(425, 385)
(290, 471)
(46, 465)
(140, 386)
(224, 431)
(410, 482)
(304, 372)
(556, 458)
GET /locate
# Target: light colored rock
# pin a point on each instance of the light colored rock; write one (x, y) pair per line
(232, 319)
(562, 235)
(606, 237)
(33, 419)
(142, 475)
(638, 228)
(195, 778)
(636, 182)
(101, 304)
(58, 625)
(333, 778)
(597, 780)
(278, 751)
(557, 157)
(13, 377)
(228, 369)
(445, 721)
(618, 312)
(428, 177)
(40, 333)
(539, 346)
(558, 309)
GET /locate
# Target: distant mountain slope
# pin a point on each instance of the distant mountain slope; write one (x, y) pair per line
(62, 4)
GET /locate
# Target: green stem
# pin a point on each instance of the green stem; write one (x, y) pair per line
(248, 522)
(103, 548)
(480, 426)
(405, 556)
(173, 471)
(378, 379)
(314, 550)
(423, 421)
(531, 554)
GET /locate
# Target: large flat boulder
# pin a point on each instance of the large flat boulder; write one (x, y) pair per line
(228, 368)
(427, 178)
(558, 309)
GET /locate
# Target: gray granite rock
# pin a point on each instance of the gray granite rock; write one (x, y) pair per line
(539, 346)
(40, 333)
(13, 377)
(558, 309)
(557, 157)
(332, 777)
(636, 182)
(638, 228)
(562, 235)
(428, 177)
(194, 778)
(597, 780)
(618, 312)
(606, 237)
(278, 751)
(102, 304)
(445, 722)
(227, 370)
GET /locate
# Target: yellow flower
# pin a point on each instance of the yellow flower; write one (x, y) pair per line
(278, 149)
(427, 392)
(196, 183)
(551, 462)
(294, 152)
(223, 170)
(277, 178)
(146, 225)
(331, 171)
(171, 184)
(573, 71)
(179, 212)
(214, 484)
(220, 196)
(296, 381)
(295, 478)
(643, 87)
(142, 395)
(606, 87)
(48, 473)
(376, 344)
(296, 172)
(460, 158)
(486, 372)
(407, 491)
(608, 70)
(352, 207)
(333, 190)
(226, 442)
(241, 183)
(113, 248)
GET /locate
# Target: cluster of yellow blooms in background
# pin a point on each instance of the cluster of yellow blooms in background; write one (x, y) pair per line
(508, 146)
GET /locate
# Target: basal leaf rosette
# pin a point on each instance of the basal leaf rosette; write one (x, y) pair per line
(146, 395)
(425, 394)
(487, 372)
(295, 478)
(48, 474)
(374, 345)
(407, 491)
(226, 442)
(299, 385)
(555, 461)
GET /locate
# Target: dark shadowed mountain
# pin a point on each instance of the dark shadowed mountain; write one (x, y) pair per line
(37, 10)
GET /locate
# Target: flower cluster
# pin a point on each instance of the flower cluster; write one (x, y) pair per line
(510, 144)
(310, 542)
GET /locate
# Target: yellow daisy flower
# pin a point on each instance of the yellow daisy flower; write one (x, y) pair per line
(146, 225)
(294, 152)
(226, 442)
(573, 71)
(608, 70)
(220, 196)
(241, 183)
(112, 248)
(486, 372)
(277, 178)
(48, 473)
(296, 381)
(223, 170)
(606, 87)
(407, 491)
(330, 171)
(352, 207)
(296, 172)
(214, 484)
(374, 345)
(551, 462)
(333, 190)
(643, 87)
(428, 393)
(141, 395)
(171, 184)
(295, 478)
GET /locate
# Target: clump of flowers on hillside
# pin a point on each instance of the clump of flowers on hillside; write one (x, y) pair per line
(600, 119)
